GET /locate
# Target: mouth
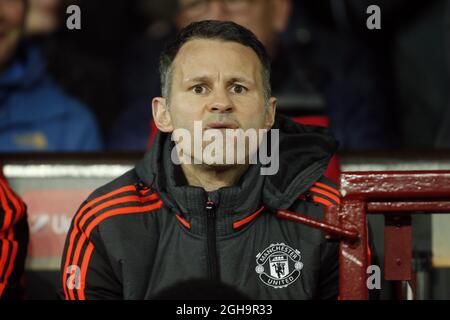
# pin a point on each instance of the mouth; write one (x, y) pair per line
(221, 125)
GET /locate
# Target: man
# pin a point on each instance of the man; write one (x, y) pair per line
(326, 76)
(266, 19)
(35, 114)
(167, 222)
(13, 242)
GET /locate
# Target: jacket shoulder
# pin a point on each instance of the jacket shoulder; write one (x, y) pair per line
(324, 192)
(124, 196)
(313, 203)
(129, 178)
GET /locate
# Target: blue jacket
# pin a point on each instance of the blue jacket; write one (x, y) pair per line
(36, 115)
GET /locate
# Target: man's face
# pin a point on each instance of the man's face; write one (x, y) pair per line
(12, 14)
(265, 18)
(219, 83)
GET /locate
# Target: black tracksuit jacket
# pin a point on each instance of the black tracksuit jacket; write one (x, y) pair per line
(149, 230)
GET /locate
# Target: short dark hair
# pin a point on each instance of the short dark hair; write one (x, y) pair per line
(215, 30)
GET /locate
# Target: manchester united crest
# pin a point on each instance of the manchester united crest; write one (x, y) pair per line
(279, 265)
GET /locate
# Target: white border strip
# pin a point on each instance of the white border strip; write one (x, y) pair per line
(61, 170)
(395, 166)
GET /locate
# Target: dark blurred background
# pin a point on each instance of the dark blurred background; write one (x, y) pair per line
(384, 88)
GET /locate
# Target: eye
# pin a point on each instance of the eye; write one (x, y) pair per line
(199, 89)
(237, 88)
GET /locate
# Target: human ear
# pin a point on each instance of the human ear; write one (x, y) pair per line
(161, 115)
(270, 113)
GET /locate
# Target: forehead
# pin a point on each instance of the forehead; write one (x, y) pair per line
(203, 57)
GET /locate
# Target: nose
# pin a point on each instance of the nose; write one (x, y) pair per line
(220, 103)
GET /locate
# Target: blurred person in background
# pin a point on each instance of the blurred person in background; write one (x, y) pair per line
(85, 62)
(421, 53)
(329, 75)
(414, 46)
(35, 113)
(13, 242)
(42, 17)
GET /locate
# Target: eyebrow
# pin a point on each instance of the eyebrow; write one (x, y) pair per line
(208, 79)
(198, 79)
(240, 79)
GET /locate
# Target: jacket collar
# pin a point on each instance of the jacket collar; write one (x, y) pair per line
(232, 204)
(304, 153)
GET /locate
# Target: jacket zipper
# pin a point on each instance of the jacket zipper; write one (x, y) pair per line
(213, 271)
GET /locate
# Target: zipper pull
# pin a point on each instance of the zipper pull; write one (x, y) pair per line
(210, 209)
(140, 186)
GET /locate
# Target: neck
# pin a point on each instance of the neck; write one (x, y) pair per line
(212, 178)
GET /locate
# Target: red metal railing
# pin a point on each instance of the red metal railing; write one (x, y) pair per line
(396, 195)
